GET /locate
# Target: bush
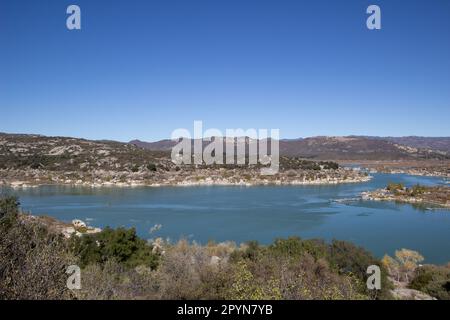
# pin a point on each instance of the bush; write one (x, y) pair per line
(417, 190)
(120, 244)
(350, 259)
(186, 272)
(434, 280)
(250, 250)
(330, 165)
(295, 247)
(9, 206)
(339, 266)
(395, 187)
(117, 264)
(274, 276)
(113, 281)
(33, 260)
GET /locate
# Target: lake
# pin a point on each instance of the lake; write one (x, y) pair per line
(260, 213)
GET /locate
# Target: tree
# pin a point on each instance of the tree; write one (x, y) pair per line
(33, 260)
(122, 245)
(392, 266)
(395, 187)
(408, 260)
(8, 206)
(417, 190)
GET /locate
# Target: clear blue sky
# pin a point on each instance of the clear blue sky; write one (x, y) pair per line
(140, 69)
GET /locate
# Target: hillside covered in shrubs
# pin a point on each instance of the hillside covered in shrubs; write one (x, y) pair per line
(28, 160)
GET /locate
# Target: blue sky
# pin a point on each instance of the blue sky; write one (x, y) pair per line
(140, 69)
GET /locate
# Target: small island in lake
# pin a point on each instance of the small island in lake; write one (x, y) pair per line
(438, 196)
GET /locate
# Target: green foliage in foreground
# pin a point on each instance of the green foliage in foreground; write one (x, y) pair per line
(339, 257)
(9, 206)
(33, 261)
(434, 280)
(122, 245)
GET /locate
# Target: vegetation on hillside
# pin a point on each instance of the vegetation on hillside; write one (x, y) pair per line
(434, 280)
(407, 272)
(33, 261)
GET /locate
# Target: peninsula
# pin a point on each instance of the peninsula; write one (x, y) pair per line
(31, 160)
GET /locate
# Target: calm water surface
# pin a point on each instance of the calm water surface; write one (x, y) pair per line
(256, 213)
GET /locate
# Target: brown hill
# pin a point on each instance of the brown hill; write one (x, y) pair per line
(335, 148)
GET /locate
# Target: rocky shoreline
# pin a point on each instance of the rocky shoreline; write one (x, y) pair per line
(76, 227)
(206, 178)
(423, 168)
(419, 172)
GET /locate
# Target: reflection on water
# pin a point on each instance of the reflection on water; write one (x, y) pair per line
(260, 213)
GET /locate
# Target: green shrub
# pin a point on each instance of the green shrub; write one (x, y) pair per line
(330, 165)
(8, 206)
(340, 261)
(395, 187)
(350, 259)
(296, 247)
(119, 244)
(417, 190)
(250, 250)
(434, 280)
(33, 260)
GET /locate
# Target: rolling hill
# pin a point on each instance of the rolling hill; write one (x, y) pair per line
(346, 148)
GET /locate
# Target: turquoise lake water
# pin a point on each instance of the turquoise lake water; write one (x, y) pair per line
(256, 213)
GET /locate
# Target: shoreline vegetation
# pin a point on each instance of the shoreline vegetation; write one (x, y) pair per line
(436, 196)
(117, 264)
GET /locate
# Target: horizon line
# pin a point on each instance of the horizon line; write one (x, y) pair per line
(168, 139)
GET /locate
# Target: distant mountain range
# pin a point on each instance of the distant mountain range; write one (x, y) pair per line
(316, 148)
(348, 147)
(433, 143)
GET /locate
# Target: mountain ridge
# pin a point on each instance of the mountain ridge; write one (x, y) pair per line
(318, 147)
(347, 147)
